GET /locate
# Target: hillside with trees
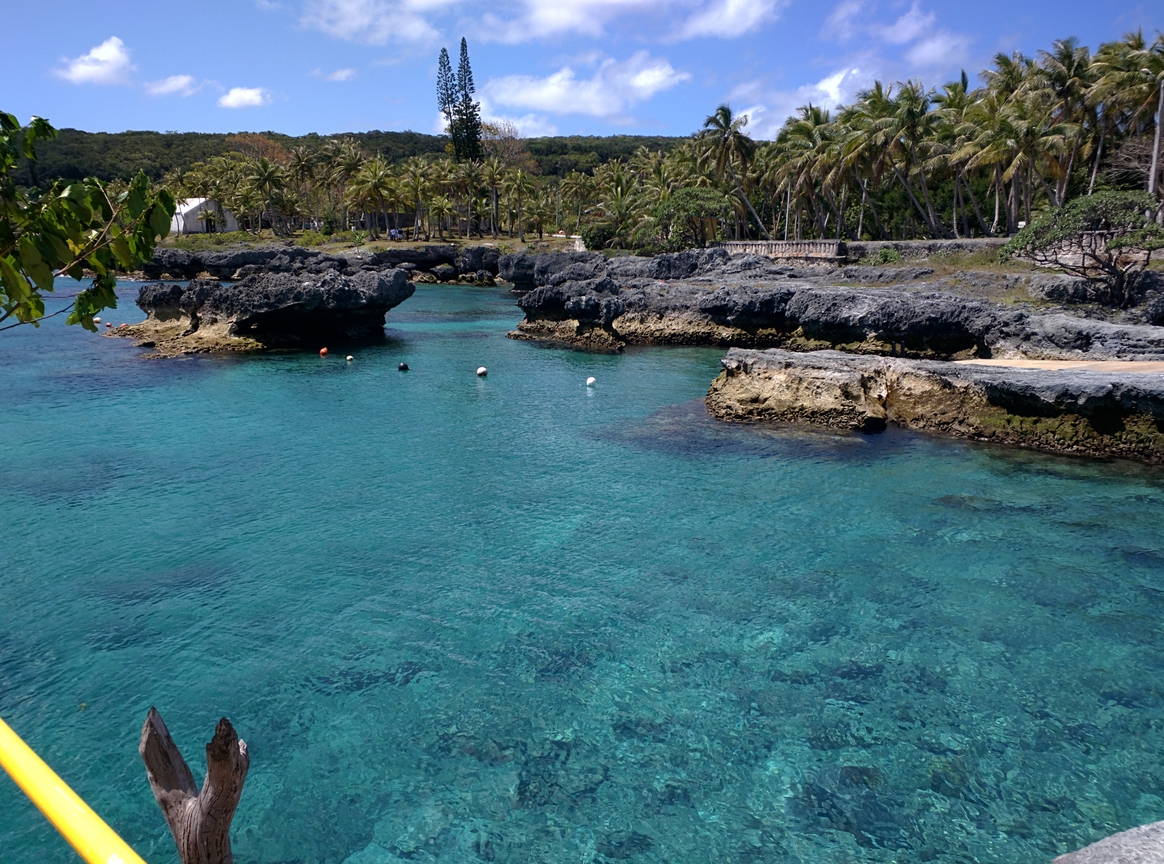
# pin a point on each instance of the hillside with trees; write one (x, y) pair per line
(903, 161)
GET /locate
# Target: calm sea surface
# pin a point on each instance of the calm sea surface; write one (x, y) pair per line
(515, 619)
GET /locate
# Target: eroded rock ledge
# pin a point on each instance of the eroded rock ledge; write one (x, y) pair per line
(706, 298)
(443, 263)
(266, 311)
(1080, 412)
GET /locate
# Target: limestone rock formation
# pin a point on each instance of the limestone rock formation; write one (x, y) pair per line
(703, 297)
(241, 263)
(273, 310)
(1080, 412)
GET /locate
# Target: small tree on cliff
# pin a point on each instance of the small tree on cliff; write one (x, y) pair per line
(66, 230)
(1118, 249)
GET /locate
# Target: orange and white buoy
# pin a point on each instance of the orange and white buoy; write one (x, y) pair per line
(322, 352)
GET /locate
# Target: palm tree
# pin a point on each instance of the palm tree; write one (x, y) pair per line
(493, 175)
(441, 208)
(519, 184)
(267, 179)
(371, 187)
(471, 177)
(416, 184)
(726, 146)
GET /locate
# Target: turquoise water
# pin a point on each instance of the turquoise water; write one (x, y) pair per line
(514, 619)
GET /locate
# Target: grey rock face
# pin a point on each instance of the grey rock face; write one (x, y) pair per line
(241, 263)
(474, 258)
(275, 309)
(444, 272)
(755, 302)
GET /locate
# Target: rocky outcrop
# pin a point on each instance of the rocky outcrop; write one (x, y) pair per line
(1080, 412)
(241, 263)
(267, 311)
(706, 298)
(1141, 845)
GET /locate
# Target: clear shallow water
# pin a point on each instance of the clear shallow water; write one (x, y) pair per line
(517, 620)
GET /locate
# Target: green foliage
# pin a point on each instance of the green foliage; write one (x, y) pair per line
(598, 235)
(68, 229)
(689, 216)
(560, 155)
(216, 240)
(888, 255)
(311, 238)
(1056, 239)
(1119, 212)
(465, 116)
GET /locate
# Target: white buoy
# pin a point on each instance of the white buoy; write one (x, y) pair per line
(590, 382)
(482, 371)
(349, 358)
(96, 320)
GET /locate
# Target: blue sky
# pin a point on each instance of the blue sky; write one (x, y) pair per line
(551, 66)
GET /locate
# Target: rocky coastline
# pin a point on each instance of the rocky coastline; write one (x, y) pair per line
(270, 310)
(1080, 412)
(432, 263)
(706, 297)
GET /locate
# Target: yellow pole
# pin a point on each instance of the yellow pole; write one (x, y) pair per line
(94, 841)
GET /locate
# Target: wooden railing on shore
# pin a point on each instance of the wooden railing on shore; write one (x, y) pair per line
(832, 251)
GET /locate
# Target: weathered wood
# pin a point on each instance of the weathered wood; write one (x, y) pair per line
(199, 821)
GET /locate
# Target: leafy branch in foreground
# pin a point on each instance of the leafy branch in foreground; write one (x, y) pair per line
(68, 229)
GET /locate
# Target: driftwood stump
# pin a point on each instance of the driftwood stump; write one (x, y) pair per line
(199, 821)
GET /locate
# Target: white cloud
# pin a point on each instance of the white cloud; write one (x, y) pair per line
(183, 85)
(612, 88)
(842, 23)
(244, 97)
(728, 18)
(108, 63)
(915, 32)
(908, 27)
(337, 75)
(372, 21)
(719, 18)
(770, 108)
(940, 49)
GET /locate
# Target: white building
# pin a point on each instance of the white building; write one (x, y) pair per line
(186, 219)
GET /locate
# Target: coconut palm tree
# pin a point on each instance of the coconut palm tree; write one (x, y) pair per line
(493, 175)
(725, 146)
(471, 177)
(416, 183)
(519, 185)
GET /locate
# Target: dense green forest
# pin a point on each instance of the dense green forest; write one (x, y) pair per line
(120, 155)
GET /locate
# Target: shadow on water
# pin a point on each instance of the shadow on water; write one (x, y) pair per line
(689, 430)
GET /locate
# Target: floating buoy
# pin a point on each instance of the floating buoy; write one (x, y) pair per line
(403, 367)
(349, 358)
(590, 382)
(119, 326)
(482, 371)
(322, 352)
(96, 320)
(108, 323)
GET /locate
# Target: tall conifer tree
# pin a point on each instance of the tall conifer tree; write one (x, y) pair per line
(466, 112)
(446, 89)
